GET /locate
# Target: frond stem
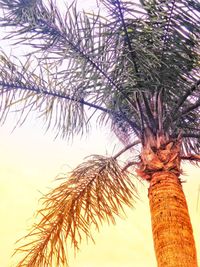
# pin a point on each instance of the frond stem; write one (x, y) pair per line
(150, 115)
(55, 94)
(141, 113)
(129, 164)
(88, 59)
(165, 39)
(126, 148)
(132, 52)
(173, 113)
(191, 157)
(67, 97)
(192, 107)
(185, 96)
(133, 58)
(190, 135)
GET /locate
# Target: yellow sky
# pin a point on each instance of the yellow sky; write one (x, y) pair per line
(30, 161)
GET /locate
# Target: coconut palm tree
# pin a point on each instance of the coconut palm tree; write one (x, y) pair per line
(132, 66)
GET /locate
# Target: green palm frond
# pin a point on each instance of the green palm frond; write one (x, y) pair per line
(140, 63)
(76, 44)
(26, 89)
(159, 65)
(95, 192)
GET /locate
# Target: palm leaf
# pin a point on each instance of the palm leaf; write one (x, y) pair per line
(95, 192)
(167, 61)
(140, 60)
(123, 62)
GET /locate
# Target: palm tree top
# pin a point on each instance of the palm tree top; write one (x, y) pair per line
(132, 66)
(139, 65)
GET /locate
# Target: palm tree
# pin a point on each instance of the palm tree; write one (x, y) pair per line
(133, 66)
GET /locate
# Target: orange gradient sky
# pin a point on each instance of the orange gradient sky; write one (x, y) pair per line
(30, 160)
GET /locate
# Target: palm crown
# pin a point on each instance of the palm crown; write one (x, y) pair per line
(139, 65)
(135, 66)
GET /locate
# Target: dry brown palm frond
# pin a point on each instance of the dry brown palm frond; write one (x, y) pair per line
(95, 192)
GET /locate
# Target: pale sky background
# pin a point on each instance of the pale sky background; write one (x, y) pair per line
(29, 162)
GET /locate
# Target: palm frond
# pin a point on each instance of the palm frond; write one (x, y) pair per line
(95, 192)
(188, 93)
(164, 40)
(25, 89)
(77, 45)
(193, 106)
(76, 40)
(137, 50)
(192, 158)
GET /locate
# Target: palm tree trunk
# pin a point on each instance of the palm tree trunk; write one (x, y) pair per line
(172, 230)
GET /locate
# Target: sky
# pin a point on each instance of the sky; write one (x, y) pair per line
(30, 160)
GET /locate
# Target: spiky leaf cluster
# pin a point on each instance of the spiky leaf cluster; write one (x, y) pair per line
(94, 193)
(158, 66)
(138, 64)
(134, 65)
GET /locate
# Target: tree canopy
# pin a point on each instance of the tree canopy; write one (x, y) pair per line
(138, 65)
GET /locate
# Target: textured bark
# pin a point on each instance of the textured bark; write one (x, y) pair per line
(172, 230)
